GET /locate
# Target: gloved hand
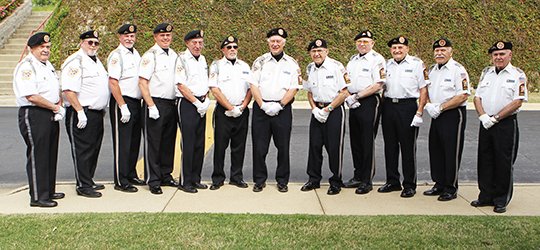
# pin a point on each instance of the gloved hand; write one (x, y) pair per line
(318, 114)
(274, 109)
(265, 106)
(237, 111)
(417, 121)
(202, 107)
(352, 102)
(83, 120)
(59, 114)
(486, 120)
(433, 109)
(153, 112)
(126, 115)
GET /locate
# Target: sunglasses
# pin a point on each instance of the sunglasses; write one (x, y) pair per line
(232, 47)
(92, 43)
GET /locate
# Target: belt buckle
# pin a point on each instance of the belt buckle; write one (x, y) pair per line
(395, 100)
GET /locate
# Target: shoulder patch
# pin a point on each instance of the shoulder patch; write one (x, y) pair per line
(145, 61)
(416, 59)
(519, 70)
(26, 74)
(72, 71)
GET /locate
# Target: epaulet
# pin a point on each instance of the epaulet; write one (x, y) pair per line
(71, 59)
(336, 62)
(240, 61)
(486, 69)
(214, 63)
(291, 58)
(389, 60)
(260, 59)
(181, 53)
(431, 67)
(310, 66)
(518, 69)
(458, 65)
(414, 58)
(352, 57)
(112, 53)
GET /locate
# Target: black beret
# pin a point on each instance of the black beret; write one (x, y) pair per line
(317, 43)
(229, 39)
(365, 33)
(398, 40)
(127, 29)
(500, 45)
(163, 28)
(442, 42)
(89, 34)
(277, 32)
(38, 39)
(194, 34)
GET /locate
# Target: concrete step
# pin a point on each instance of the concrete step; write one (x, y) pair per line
(5, 84)
(10, 57)
(40, 13)
(9, 63)
(6, 77)
(6, 91)
(15, 46)
(17, 41)
(11, 51)
(6, 70)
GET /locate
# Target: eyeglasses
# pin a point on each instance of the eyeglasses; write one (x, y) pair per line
(362, 42)
(232, 47)
(92, 43)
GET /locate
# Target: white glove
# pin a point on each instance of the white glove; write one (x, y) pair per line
(486, 120)
(59, 114)
(275, 107)
(83, 120)
(416, 121)
(126, 115)
(352, 102)
(265, 106)
(229, 113)
(433, 109)
(237, 111)
(153, 112)
(317, 113)
(202, 107)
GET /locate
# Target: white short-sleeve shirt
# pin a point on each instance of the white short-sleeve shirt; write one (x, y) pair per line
(275, 78)
(158, 68)
(499, 90)
(404, 80)
(123, 65)
(32, 77)
(448, 81)
(365, 70)
(192, 73)
(88, 79)
(326, 81)
(232, 80)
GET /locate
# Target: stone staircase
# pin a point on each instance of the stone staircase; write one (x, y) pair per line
(11, 53)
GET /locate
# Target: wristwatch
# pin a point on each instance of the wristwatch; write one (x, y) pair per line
(497, 117)
(330, 108)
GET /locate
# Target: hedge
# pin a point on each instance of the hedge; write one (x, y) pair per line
(472, 25)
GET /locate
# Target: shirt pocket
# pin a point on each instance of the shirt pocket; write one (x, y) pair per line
(89, 72)
(508, 89)
(130, 70)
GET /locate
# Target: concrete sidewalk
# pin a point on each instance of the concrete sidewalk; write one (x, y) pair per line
(230, 199)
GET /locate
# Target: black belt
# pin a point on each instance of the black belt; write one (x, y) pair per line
(400, 100)
(164, 101)
(322, 104)
(201, 98)
(87, 109)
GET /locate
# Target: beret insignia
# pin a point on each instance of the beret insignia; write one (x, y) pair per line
(230, 39)
(46, 38)
(169, 28)
(280, 32)
(131, 28)
(318, 43)
(500, 45)
(442, 42)
(401, 39)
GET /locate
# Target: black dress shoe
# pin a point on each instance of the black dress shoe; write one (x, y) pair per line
(43, 203)
(499, 209)
(240, 184)
(258, 187)
(332, 190)
(188, 189)
(310, 186)
(282, 188)
(364, 189)
(216, 186)
(170, 183)
(433, 191)
(136, 181)
(98, 186)
(156, 190)
(408, 193)
(88, 192)
(201, 186)
(57, 196)
(352, 183)
(446, 197)
(479, 203)
(386, 188)
(127, 188)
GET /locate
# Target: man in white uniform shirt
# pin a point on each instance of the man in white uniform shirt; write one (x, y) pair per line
(448, 91)
(326, 92)
(37, 93)
(501, 92)
(406, 79)
(156, 81)
(191, 80)
(125, 109)
(229, 82)
(366, 72)
(275, 82)
(86, 94)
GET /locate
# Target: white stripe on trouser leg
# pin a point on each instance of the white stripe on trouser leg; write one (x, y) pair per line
(511, 186)
(373, 138)
(341, 138)
(73, 148)
(32, 156)
(414, 153)
(145, 147)
(458, 146)
(116, 147)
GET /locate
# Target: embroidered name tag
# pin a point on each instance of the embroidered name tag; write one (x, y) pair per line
(447, 80)
(286, 72)
(365, 70)
(510, 80)
(245, 72)
(329, 77)
(408, 70)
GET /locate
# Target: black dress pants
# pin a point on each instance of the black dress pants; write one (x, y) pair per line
(193, 127)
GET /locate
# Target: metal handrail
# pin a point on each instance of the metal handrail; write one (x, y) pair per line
(34, 31)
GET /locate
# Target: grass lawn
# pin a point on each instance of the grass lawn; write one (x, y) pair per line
(212, 231)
